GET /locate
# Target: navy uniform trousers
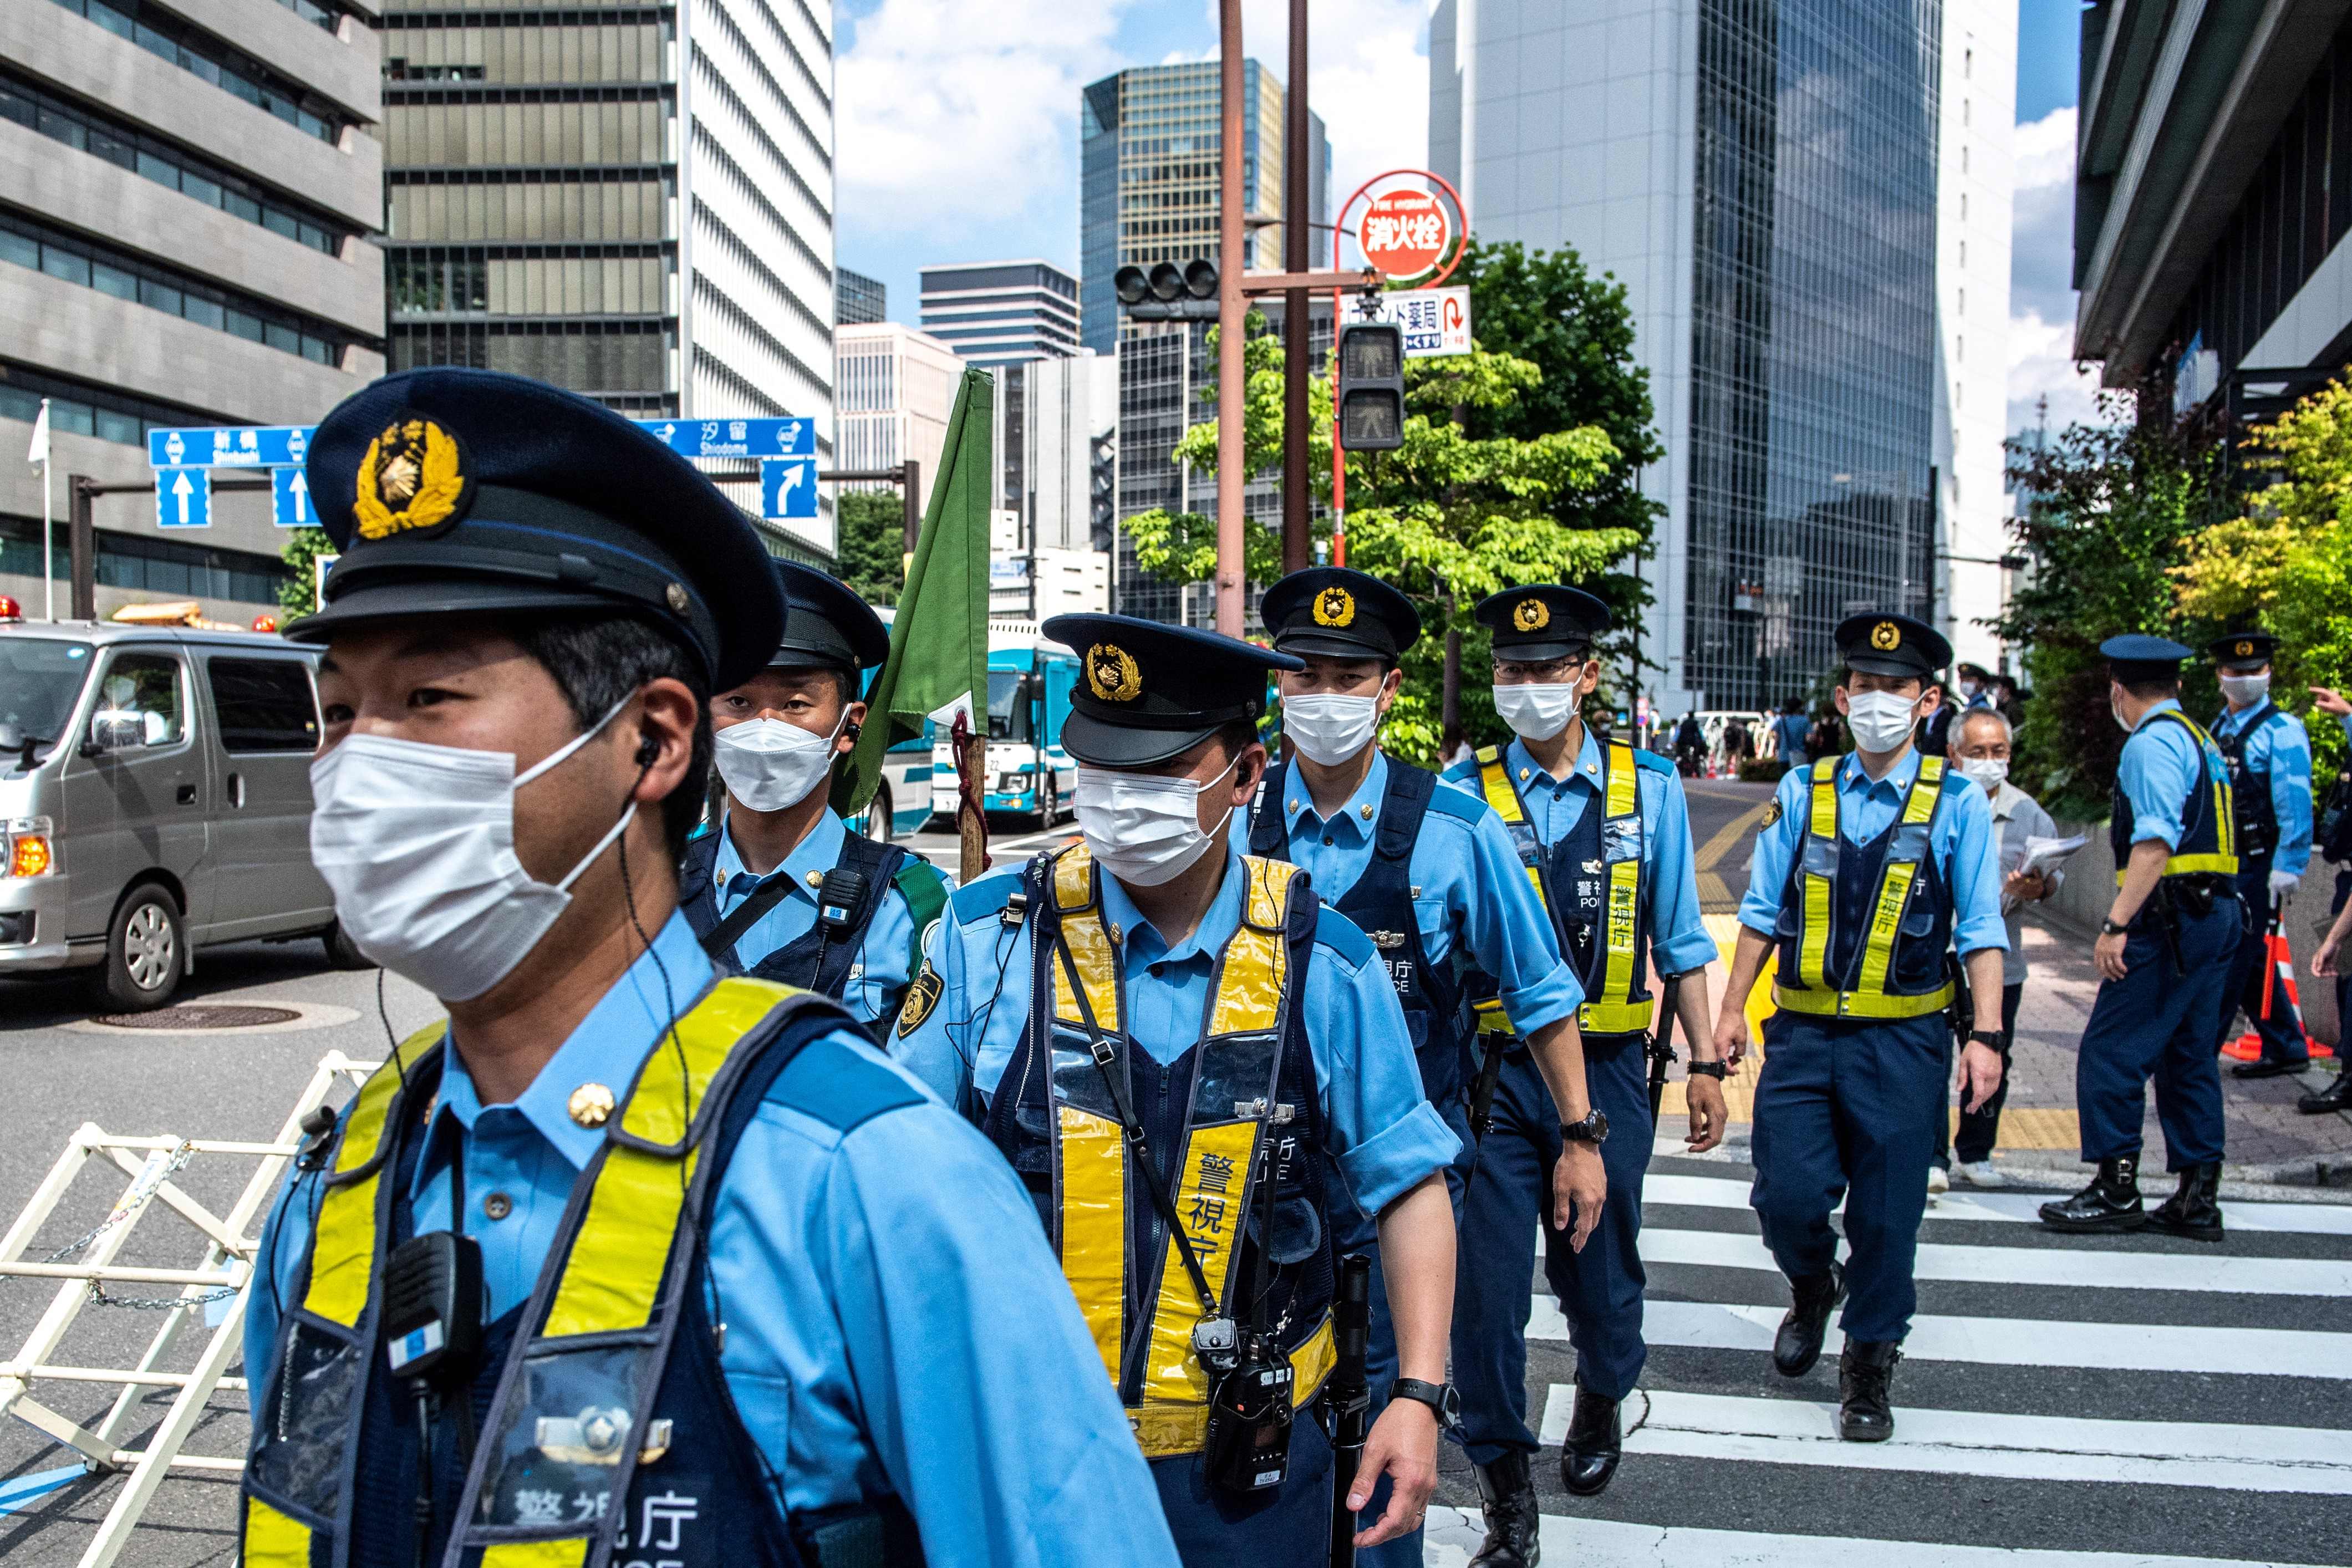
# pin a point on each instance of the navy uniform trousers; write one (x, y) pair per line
(2250, 970)
(1847, 1110)
(2157, 1022)
(1599, 1290)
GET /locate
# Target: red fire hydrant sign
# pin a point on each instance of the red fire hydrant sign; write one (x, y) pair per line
(1405, 232)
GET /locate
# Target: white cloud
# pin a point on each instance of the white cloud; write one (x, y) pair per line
(1368, 69)
(2040, 282)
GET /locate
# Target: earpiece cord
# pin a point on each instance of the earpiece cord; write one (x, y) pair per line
(669, 998)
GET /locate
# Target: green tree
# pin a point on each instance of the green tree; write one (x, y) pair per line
(2116, 509)
(299, 593)
(871, 533)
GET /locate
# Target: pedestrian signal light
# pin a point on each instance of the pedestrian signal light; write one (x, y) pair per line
(1372, 386)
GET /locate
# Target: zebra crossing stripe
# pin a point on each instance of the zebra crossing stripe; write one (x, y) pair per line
(2006, 1341)
(2010, 1208)
(1974, 1443)
(1454, 1534)
(2069, 1267)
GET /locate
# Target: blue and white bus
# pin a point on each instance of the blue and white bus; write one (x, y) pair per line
(1026, 772)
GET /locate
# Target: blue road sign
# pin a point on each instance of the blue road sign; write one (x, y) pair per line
(787, 489)
(184, 498)
(230, 447)
(737, 437)
(289, 499)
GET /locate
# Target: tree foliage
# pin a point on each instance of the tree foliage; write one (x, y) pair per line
(2116, 509)
(298, 594)
(870, 532)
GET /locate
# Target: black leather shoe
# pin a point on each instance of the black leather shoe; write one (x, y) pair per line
(2336, 1096)
(2265, 1067)
(1798, 1343)
(2110, 1202)
(1864, 1370)
(1596, 1441)
(1507, 1494)
(2194, 1210)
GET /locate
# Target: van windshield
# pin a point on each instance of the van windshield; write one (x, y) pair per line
(39, 679)
(1008, 712)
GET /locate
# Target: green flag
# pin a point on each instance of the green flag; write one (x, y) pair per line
(939, 640)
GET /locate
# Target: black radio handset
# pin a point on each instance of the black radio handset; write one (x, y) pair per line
(432, 1323)
(836, 902)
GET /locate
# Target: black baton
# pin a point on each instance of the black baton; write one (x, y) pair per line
(1659, 1047)
(1350, 1398)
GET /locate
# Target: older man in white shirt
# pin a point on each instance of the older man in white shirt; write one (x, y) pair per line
(1980, 750)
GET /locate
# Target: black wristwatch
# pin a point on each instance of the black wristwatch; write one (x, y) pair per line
(1985, 1037)
(1593, 1130)
(2109, 928)
(1439, 1397)
(1706, 1069)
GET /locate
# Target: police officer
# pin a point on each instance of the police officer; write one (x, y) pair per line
(721, 1282)
(2164, 954)
(779, 888)
(1870, 869)
(1173, 1043)
(1603, 831)
(1429, 874)
(2270, 777)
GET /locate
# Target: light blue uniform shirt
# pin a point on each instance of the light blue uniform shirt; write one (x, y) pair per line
(1385, 1134)
(891, 1308)
(1678, 939)
(1470, 895)
(2161, 765)
(2283, 748)
(1961, 841)
(1792, 729)
(879, 974)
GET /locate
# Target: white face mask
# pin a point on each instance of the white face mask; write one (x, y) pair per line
(1329, 729)
(1538, 711)
(1987, 771)
(1880, 720)
(2116, 711)
(2245, 690)
(1145, 829)
(1969, 690)
(770, 764)
(416, 842)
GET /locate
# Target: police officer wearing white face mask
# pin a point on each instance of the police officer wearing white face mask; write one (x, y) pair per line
(779, 888)
(623, 1249)
(1426, 870)
(1140, 1019)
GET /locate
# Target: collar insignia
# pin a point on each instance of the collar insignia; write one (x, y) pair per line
(1531, 615)
(591, 1105)
(1113, 674)
(412, 481)
(1335, 606)
(1887, 637)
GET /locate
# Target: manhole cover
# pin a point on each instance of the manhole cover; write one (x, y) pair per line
(200, 1018)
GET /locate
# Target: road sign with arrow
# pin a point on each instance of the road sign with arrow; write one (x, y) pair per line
(184, 498)
(289, 495)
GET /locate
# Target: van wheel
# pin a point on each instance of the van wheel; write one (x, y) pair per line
(146, 952)
(878, 816)
(342, 952)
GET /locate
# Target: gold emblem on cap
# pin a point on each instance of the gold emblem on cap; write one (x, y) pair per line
(1113, 673)
(410, 481)
(675, 594)
(1335, 606)
(1531, 615)
(2245, 650)
(1887, 637)
(590, 1104)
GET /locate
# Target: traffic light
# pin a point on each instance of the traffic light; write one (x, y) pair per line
(1168, 291)
(1102, 514)
(1372, 386)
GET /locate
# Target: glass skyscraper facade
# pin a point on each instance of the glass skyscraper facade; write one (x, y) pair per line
(1814, 384)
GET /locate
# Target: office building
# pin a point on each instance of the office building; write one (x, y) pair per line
(1002, 313)
(1056, 444)
(637, 205)
(187, 222)
(857, 299)
(1148, 156)
(2213, 195)
(1808, 204)
(895, 388)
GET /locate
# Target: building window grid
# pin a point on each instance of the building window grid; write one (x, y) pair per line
(77, 408)
(200, 54)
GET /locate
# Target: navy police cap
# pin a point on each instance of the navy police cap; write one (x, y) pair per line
(2137, 656)
(1338, 613)
(1148, 691)
(1880, 642)
(2243, 649)
(454, 491)
(826, 622)
(1541, 622)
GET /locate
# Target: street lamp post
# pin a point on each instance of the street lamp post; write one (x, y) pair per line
(1297, 326)
(1231, 306)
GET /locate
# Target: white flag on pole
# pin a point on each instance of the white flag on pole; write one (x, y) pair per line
(40, 452)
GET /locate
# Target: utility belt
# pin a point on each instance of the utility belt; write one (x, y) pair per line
(1861, 1006)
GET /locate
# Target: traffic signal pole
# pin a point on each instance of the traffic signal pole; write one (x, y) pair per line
(1231, 306)
(1298, 256)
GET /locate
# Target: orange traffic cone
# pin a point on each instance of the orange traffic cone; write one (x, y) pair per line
(2278, 989)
